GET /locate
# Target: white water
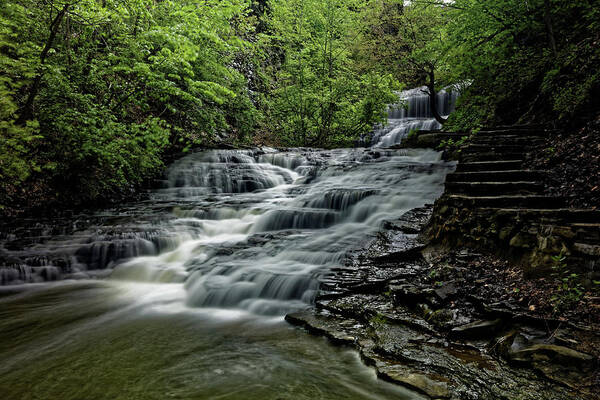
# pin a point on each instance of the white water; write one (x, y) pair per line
(256, 229)
(413, 113)
(249, 230)
(199, 278)
(196, 279)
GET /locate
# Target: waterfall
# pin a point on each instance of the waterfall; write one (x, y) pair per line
(249, 229)
(412, 113)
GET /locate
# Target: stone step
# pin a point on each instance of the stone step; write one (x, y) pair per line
(489, 166)
(496, 147)
(586, 232)
(491, 156)
(508, 139)
(589, 250)
(583, 233)
(549, 216)
(496, 176)
(494, 188)
(510, 131)
(516, 201)
(524, 127)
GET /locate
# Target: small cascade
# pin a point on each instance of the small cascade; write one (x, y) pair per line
(417, 104)
(234, 172)
(413, 113)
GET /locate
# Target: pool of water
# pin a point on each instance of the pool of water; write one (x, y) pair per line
(99, 340)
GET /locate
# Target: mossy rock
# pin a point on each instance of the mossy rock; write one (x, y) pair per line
(441, 318)
(523, 241)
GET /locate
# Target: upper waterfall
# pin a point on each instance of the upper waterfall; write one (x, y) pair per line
(413, 112)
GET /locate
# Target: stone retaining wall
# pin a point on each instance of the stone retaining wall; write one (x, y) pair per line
(526, 236)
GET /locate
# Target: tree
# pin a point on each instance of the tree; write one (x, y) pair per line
(408, 40)
(93, 93)
(526, 61)
(319, 96)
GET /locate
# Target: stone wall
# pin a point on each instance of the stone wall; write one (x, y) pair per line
(532, 238)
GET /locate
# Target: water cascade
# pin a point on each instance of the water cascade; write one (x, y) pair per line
(252, 230)
(413, 113)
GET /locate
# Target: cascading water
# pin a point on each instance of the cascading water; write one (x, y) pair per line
(250, 230)
(413, 113)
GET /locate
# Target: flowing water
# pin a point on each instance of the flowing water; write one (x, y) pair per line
(413, 113)
(183, 295)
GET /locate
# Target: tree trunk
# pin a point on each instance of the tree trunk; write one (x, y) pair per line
(433, 98)
(26, 113)
(549, 29)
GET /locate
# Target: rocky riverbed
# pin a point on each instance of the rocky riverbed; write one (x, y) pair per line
(426, 318)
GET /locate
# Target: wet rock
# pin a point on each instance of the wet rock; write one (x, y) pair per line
(521, 240)
(477, 329)
(338, 330)
(500, 308)
(446, 291)
(552, 353)
(433, 388)
(562, 338)
(406, 318)
(410, 253)
(504, 342)
(352, 305)
(442, 318)
(406, 294)
(558, 363)
(404, 226)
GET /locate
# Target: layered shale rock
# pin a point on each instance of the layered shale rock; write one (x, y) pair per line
(439, 337)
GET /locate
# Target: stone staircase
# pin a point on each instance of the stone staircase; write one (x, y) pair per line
(494, 200)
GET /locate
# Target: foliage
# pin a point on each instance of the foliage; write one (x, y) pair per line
(319, 96)
(378, 320)
(569, 290)
(449, 144)
(408, 39)
(93, 93)
(525, 61)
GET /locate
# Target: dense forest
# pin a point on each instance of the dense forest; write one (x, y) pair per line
(95, 95)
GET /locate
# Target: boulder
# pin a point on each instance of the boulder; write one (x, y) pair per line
(446, 291)
(433, 388)
(555, 354)
(558, 363)
(477, 329)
